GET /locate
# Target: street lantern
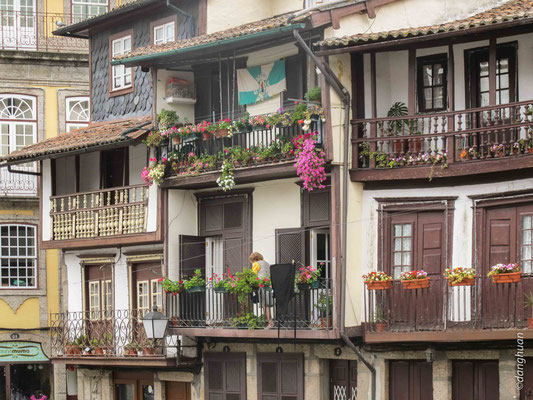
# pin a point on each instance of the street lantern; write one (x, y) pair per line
(155, 324)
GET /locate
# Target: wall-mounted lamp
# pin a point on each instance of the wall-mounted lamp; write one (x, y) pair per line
(337, 351)
(430, 354)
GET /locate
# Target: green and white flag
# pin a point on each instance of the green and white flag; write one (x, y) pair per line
(259, 83)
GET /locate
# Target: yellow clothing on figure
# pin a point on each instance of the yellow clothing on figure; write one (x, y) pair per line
(256, 267)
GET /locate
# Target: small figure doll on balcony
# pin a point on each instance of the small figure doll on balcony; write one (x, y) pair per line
(262, 269)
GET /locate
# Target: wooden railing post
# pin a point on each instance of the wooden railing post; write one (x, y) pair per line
(450, 140)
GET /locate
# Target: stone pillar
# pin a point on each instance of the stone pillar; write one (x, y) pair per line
(159, 389)
(95, 385)
(442, 377)
(312, 374)
(60, 381)
(508, 370)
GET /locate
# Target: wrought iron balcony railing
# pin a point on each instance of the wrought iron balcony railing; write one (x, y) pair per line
(100, 213)
(311, 308)
(484, 305)
(13, 184)
(32, 31)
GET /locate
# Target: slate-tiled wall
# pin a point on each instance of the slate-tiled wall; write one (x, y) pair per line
(138, 102)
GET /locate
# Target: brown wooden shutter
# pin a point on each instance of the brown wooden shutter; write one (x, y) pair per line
(280, 376)
(527, 391)
(475, 379)
(192, 254)
(225, 375)
(295, 72)
(317, 208)
(290, 245)
(410, 380)
(343, 379)
(177, 390)
(500, 237)
(431, 242)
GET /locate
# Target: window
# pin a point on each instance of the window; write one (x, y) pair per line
(83, 9)
(121, 77)
(18, 122)
(77, 113)
(19, 256)
(164, 33)
(94, 299)
(107, 298)
(432, 81)
(402, 249)
(147, 291)
(19, 24)
(157, 293)
(143, 298)
(225, 376)
(98, 291)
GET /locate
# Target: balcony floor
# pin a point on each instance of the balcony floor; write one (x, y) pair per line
(155, 361)
(457, 336)
(284, 333)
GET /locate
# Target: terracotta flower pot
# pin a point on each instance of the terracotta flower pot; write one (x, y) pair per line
(175, 321)
(530, 323)
(149, 351)
(72, 350)
(99, 351)
(176, 140)
(378, 285)
(326, 322)
(512, 277)
(415, 283)
(381, 327)
(530, 150)
(464, 282)
(130, 352)
(221, 133)
(206, 135)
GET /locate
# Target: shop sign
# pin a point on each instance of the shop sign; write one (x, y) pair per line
(18, 351)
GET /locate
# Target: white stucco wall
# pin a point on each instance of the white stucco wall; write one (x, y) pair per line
(46, 187)
(410, 13)
(185, 111)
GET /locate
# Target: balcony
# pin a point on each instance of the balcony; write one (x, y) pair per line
(114, 336)
(213, 313)
(251, 165)
(484, 311)
(32, 31)
(19, 185)
(449, 144)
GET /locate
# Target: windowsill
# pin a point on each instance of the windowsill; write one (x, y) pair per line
(22, 292)
(120, 92)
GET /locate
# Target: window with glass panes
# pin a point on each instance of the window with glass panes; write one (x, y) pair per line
(77, 112)
(402, 253)
(107, 298)
(94, 299)
(432, 82)
(83, 9)
(164, 33)
(18, 264)
(18, 122)
(527, 243)
(157, 294)
(121, 76)
(143, 297)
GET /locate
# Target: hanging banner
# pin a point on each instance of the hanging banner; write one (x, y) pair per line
(259, 83)
(21, 352)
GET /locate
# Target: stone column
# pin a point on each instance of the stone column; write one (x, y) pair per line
(60, 381)
(159, 389)
(508, 370)
(442, 377)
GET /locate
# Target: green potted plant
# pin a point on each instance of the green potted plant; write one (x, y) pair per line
(250, 321)
(460, 276)
(325, 310)
(258, 122)
(505, 273)
(416, 279)
(149, 347)
(307, 278)
(314, 94)
(75, 346)
(195, 283)
(380, 319)
(378, 280)
(167, 119)
(172, 287)
(219, 283)
(96, 347)
(130, 349)
(223, 128)
(396, 127)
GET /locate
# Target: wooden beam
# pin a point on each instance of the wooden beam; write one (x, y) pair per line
(371, 12)
(492, 71)
(373, 100)
(411, 82)
(456, 336)
(451, 79)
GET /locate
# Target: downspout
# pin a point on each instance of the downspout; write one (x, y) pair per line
(180, 11)
(343, 93)
(15, 171)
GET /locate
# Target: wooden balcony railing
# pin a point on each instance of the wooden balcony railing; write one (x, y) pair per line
(13, 184)
(485, 305)
(26, 30)
(309, 309)
(105, 334)
(444, 138)
(108, 212)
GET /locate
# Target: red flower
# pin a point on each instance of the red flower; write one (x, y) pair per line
(161, 279)
(301, 121)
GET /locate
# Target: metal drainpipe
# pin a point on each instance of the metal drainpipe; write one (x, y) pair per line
(345, 97)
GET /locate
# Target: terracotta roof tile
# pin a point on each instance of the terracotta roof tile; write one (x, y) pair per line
(241, 30)
(97, 134)
(509, 11)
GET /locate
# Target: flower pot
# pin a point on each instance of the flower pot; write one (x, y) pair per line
(220, 290)
(530, 150)
(259, 127)
(415, 283)
(130, 352)
(175, 321)
(176, 140)
(378, 285)
(512, 277)
(501, 154)
(530, 323)
(221, 133)
(326, 322)
(464, 282)
(99, 351)
(381, 327)
(149, 351)
(308, 286)
(72, 350)
(196, 289)
(206, 135)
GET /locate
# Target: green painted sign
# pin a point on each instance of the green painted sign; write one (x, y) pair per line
(21, 351)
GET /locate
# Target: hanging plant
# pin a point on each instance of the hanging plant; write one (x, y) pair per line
(226, 180)
(310, 161)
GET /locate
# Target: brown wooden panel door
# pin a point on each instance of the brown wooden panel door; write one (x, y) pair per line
(225, 376)
(342, 379)
(475, 380)
(192, 254)
(527, 389)
(410, 380)
(280, 376)
(98, 288)
(177, 390)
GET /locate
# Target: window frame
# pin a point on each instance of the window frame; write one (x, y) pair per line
(85, 3)
(70, 124)
(13, 122)
(35, 257)
(119, 91)
(162, 23)
(421, 62)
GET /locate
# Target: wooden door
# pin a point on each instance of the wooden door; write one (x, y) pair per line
(475, 380)
(526, 393)
(177, 390)
(342, 380)
(225, 376)
(114, 164)
(146, 293)
(280, 376)
(410, 380)
(98, 288)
